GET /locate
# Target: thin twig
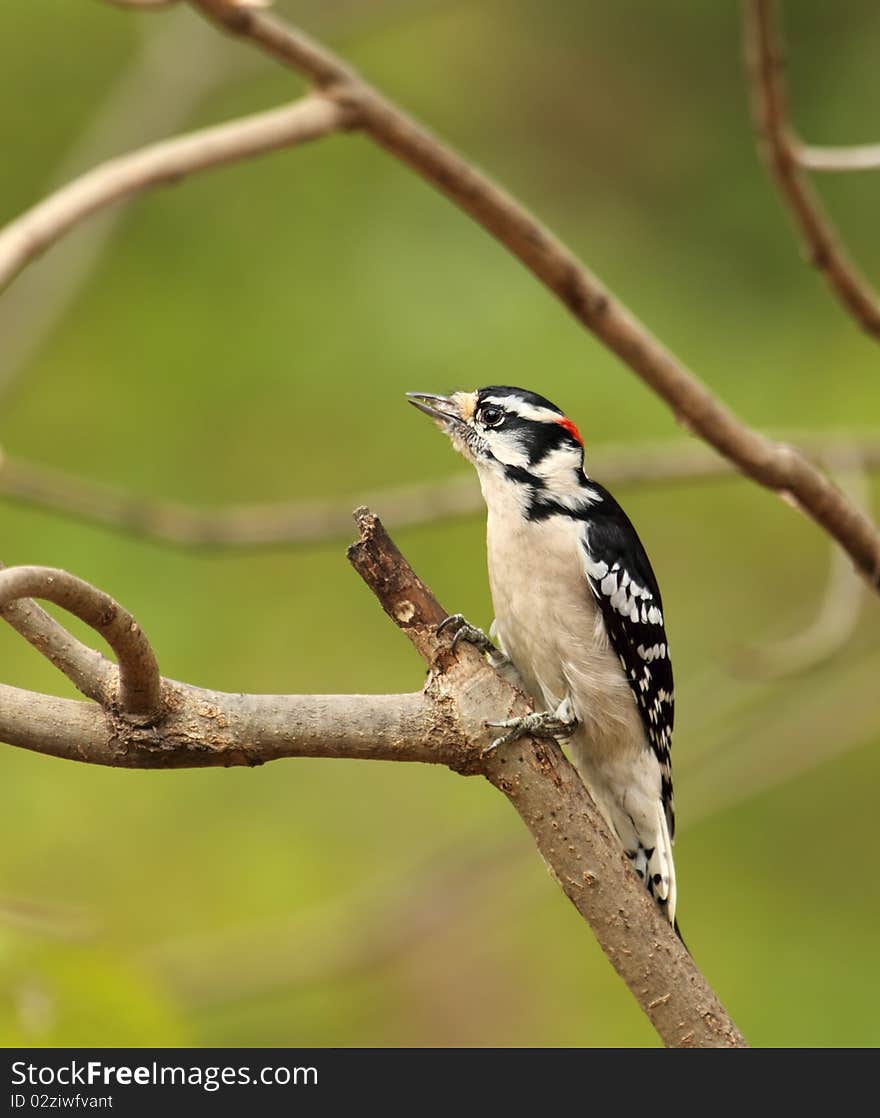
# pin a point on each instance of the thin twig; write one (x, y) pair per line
(781, 736)
(140, 693)
(146, 5)
(780, 468)
(91, 673)
(162, 164)
(839, 610)
(153, 95)
(312, 521)
(786, 159)
(353, 934)
(346, 102)
(42, 918)
(249, 525)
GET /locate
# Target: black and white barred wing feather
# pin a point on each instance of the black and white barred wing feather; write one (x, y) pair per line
(622, 581)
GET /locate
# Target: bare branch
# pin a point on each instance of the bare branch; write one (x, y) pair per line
(781, 468)
(153, 95)
(253, 525)
(140, 694)
(145, 5)
(350, 102)
(776, 737)
(162, 164)
(859, 157)
(203, 729)
(91, 674)
(444, 724)
(393, 914)
(39, 918)
(838, 613)
(786, 159)
(312, 521)
(552, 801)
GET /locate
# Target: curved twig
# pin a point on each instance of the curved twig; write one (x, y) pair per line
(787, 158)
(160, 164)
(140, 692)
(91, 673)
(841, 606)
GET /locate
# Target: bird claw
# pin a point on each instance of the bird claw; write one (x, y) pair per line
(541, 724)
(466, 632)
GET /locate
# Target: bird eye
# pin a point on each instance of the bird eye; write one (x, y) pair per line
(491, 415)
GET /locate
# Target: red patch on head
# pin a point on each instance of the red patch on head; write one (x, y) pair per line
(572, 430)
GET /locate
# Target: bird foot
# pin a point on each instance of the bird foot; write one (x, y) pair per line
(464, 631)
(557, 724)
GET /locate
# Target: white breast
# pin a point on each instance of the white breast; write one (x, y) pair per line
(549, 624)
(551, 627)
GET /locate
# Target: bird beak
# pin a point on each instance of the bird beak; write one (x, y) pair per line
(444, 408)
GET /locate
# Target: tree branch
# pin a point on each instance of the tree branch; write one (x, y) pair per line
(778, 467)
(140, 694)
(838, 614)
(346, 101)
(445, 724)
(144, 5)
(312, 521)
(550, 798)
(161, 164)
(154, 94)
(204, 729)
(786, 158)
(91, 674)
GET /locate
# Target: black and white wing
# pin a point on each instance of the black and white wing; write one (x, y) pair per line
(623, 583)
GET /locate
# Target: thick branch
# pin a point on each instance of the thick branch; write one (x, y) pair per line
(203, 729)
(781, 468)
(445, 724)
(162, 164)
(571, 835)
(140, 692)
(786, 158)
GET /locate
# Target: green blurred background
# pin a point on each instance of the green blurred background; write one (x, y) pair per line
(249, 336)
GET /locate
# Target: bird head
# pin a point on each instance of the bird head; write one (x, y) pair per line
(508, 430)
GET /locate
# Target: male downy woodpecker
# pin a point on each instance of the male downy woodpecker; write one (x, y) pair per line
(578, 614)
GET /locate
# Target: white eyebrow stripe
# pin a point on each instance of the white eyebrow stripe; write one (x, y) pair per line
(524, 410)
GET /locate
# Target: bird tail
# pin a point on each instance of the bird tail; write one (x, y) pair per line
(646, 841)
(660, 869)
(634, 810)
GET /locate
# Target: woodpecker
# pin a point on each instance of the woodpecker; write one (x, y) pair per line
(578, 615)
